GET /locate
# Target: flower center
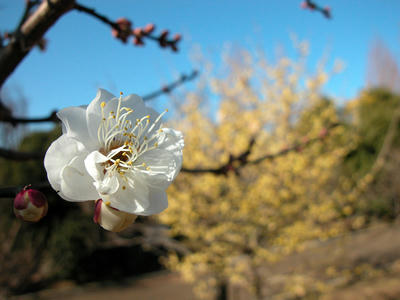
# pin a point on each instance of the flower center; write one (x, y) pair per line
(123, 142)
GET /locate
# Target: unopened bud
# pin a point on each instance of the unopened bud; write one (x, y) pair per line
(111, 218)
(177, 37)
(30, 205)
(149, 28)
(138, 32)
(124, 26)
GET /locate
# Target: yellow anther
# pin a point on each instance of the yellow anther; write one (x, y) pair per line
(104, 119)
(155, 144)
(111, 112)
(121, 93)
(107, 203)
(113, 117)
(148, 168)
(102, 104)
(166, 110)
(145, 138)
(143, 164)
(123, 187)
(129, 163)
(147, 116)
(117, 161)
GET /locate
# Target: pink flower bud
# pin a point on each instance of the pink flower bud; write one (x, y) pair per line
(138, 32)
(177, 37)
(111, 218)
(124, 31)
(149, 28)
(30, 205)
(304, 5)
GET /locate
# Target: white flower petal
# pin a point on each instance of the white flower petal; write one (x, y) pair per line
(93, 165)
(75, 125)
(158, 202)
(93, 111)
(132, 101)
(173, 142)
(163, 168)
(108, 186)
(132, 198)
(76, 183)
(59, 154)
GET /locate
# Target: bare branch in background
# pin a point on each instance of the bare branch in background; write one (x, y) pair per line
(235, 163)
(6, 114)
(20, 156)
(311, 5)
(11, 191)
(122, 30)
(29, 33)
(168, 88)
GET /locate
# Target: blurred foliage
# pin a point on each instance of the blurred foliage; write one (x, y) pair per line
(53, 246)
(233, 225)
(372, 112)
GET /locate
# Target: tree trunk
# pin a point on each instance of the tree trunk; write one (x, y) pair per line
(30, 33)
(222, 292)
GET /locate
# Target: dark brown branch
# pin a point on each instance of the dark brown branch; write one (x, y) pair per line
(6, 116)
(30, 33)
(124, 30)
(20, 156)
(168, 88)
(235, 163)
(29, 5)
(12, 191)
(311, 5)
(93, 13)
(15, 120)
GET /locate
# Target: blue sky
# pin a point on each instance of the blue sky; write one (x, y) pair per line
(82, 55)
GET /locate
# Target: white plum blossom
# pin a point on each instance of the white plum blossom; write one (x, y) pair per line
(115, 149)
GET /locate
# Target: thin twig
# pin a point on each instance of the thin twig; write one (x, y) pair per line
(311, 5)
(6, 116)
(126, 31)
(20, 156)
(235, 163)
(168, 88)
(11, 191)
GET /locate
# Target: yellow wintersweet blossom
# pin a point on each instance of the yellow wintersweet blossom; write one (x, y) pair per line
(235, 224)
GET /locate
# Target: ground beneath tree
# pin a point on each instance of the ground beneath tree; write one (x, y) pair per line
(362, 265)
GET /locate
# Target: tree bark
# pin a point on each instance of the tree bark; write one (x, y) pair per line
(222, 292)
(30, 33)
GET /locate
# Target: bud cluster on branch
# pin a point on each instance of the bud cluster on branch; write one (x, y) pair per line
(123, 29)
(311, 5)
